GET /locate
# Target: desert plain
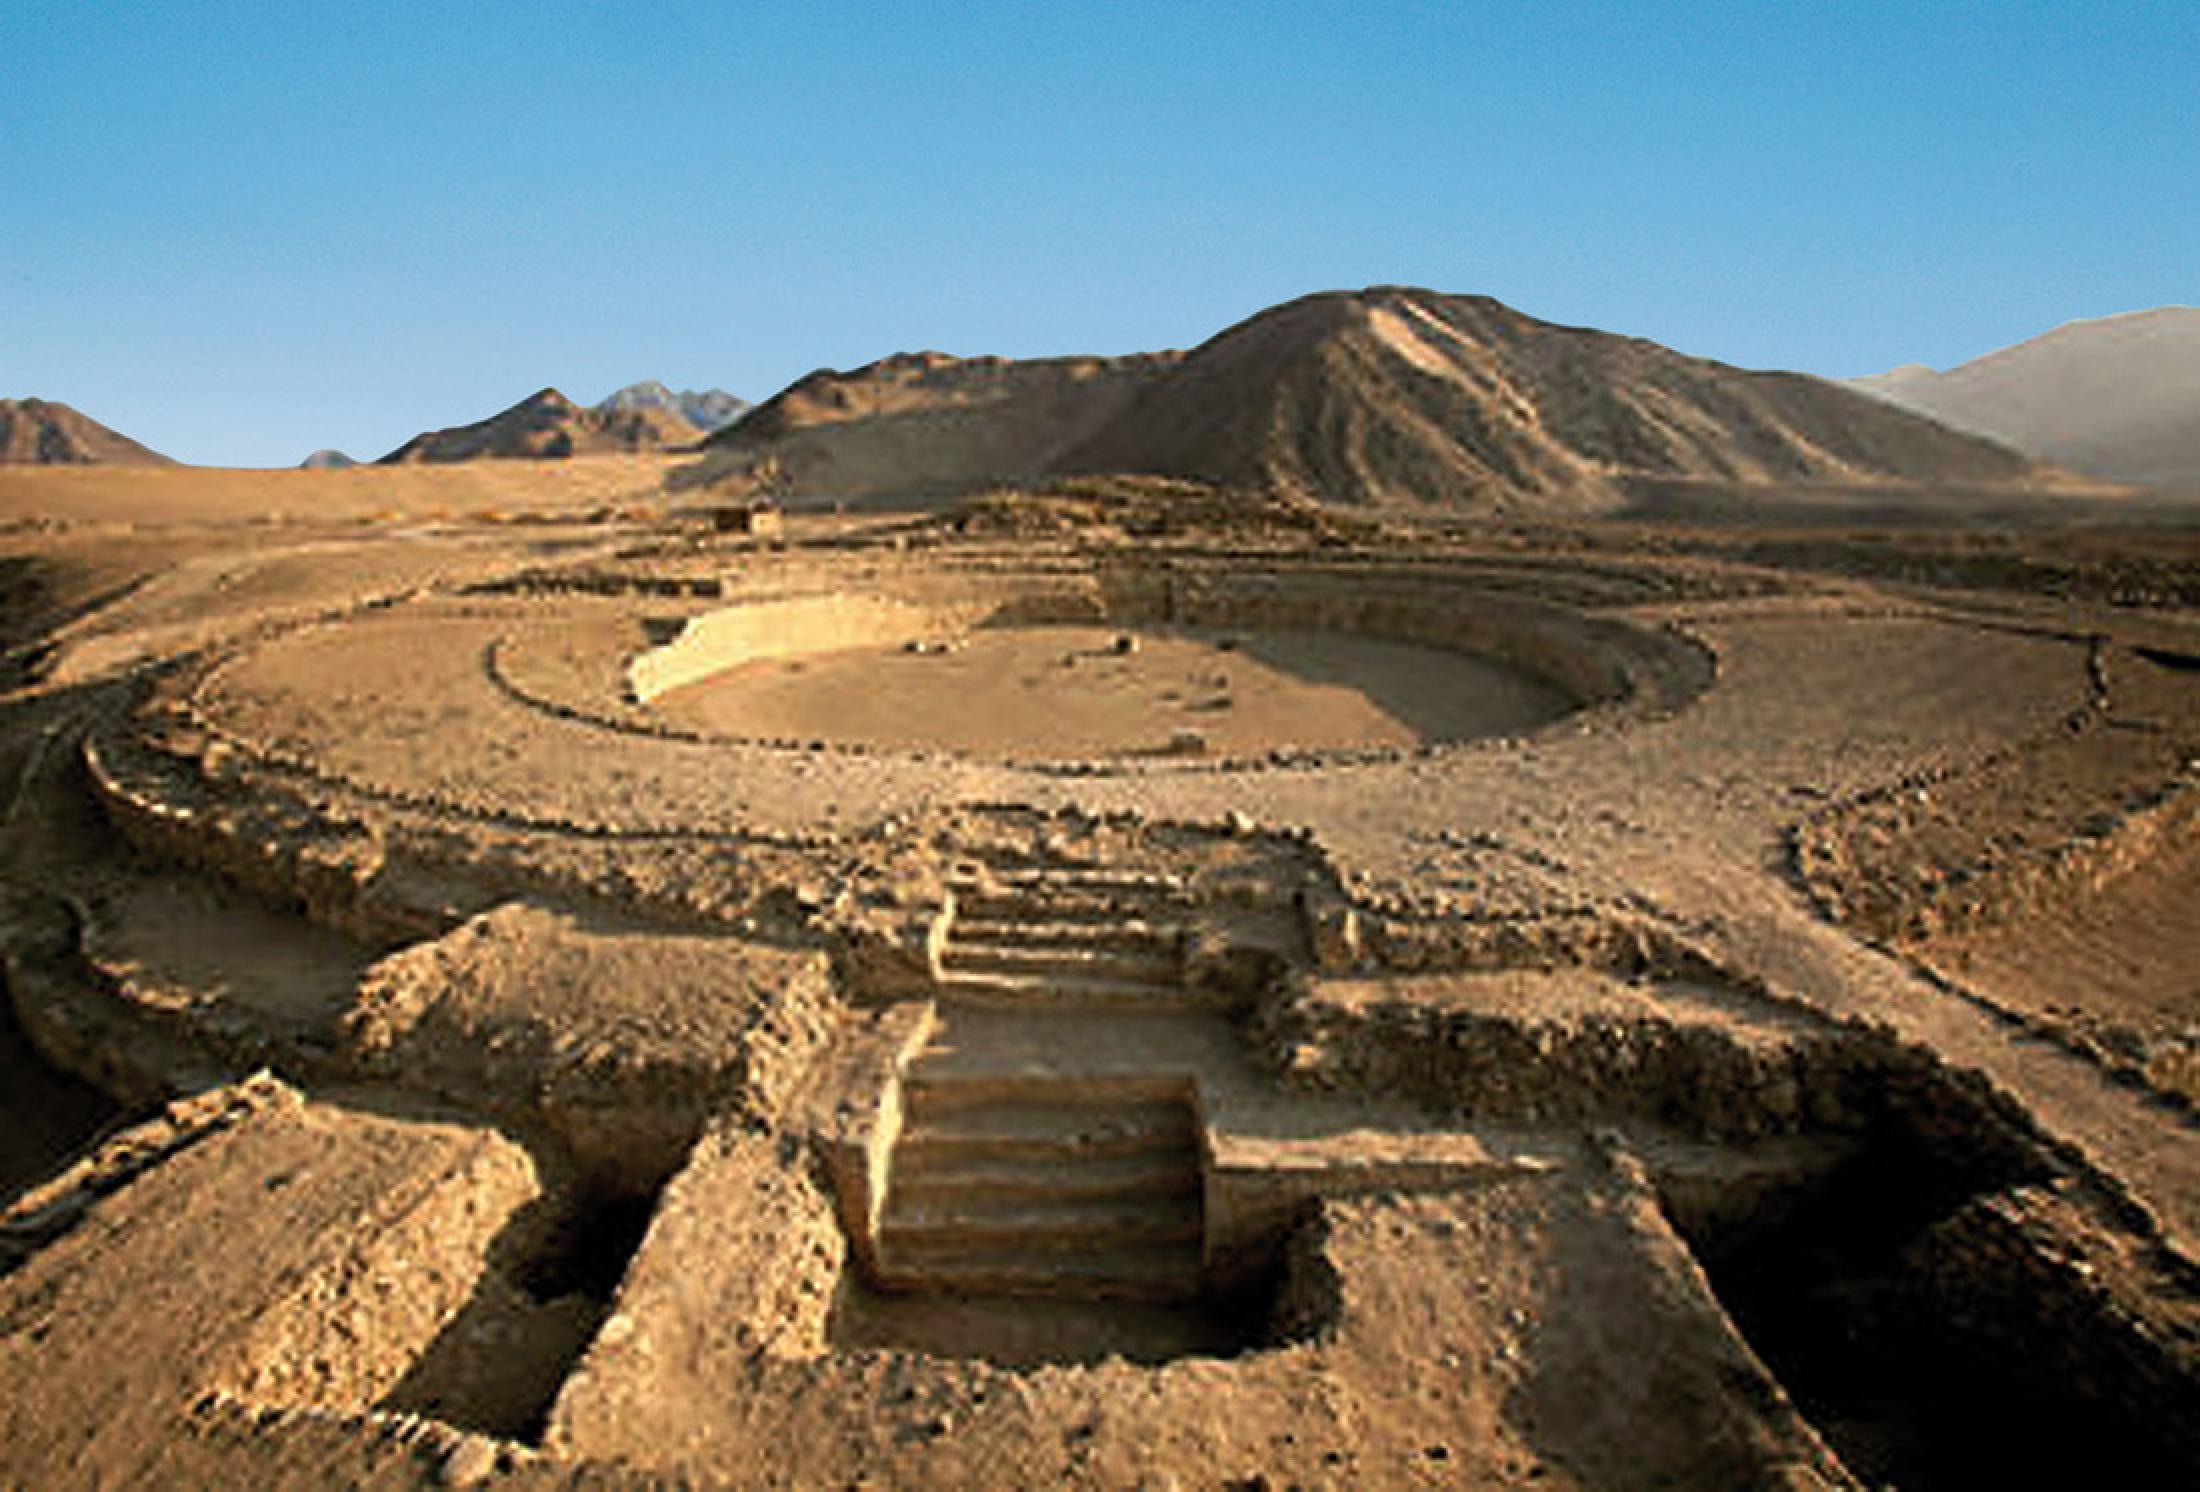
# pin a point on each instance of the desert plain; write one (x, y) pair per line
(561, 973)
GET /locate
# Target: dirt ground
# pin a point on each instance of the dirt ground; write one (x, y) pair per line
(1040, 692)
(1605, 1005)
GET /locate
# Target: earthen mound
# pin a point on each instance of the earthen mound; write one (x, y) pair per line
(41, 432)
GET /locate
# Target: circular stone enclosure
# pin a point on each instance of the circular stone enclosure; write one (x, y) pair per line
(1150, 664)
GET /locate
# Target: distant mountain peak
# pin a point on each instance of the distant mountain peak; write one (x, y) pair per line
(546, 425)
(707, 410)
(2112, 396)
(46, 432)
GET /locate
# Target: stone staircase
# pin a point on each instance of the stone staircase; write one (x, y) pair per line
(1043, 1185)
(1047, 1147)
(1081, 936)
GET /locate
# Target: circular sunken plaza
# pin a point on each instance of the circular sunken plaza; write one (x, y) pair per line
(896, 1008)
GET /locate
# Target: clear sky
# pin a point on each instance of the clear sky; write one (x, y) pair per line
(239, 232)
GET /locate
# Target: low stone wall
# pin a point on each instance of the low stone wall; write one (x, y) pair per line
(624, 1041)
(741, 1266)
(720, 640)
(344, 1337)
(1587, 659)
(1555, 1053)
(855, 1114)
(335, 873)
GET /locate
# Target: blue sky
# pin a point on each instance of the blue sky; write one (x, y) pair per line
(238, 232)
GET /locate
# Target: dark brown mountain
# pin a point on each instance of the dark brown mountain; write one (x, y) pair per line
(927, 424)
(1395, 395)
(40, 432)
(549, 425)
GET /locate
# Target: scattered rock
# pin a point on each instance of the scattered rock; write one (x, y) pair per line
(470, 1462)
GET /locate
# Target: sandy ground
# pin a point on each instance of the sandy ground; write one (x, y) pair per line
(364, 494)
(1072, 692)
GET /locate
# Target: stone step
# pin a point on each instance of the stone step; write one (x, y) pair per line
(1079, 877)
(1165, 1273)
(910, 1234)
(1101, 906)
(1004, 990)
(994, 1136)
(978, 1179)
(941, 1085)
(1069, 961)
(1132, 934)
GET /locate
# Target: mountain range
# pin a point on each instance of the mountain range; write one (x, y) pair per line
(1388, 395)
(546, 424)
(706, 409)
(2115, 397)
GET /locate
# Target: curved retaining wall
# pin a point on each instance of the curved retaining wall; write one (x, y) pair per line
(1593, 660)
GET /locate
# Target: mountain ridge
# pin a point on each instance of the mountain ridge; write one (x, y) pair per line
(708, 410)
(1388, 395)
(2113, 396)
(46, 432)
(546, 425)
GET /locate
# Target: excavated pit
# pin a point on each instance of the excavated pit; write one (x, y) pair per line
(1023, 1332)
(550, 1281)
(46, 1116)
(1898, 1326)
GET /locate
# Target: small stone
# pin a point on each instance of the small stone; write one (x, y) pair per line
(1125, 644)
(1238, 822)
(470, 1462)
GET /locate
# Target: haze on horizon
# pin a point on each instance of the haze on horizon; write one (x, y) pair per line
(242, 232)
